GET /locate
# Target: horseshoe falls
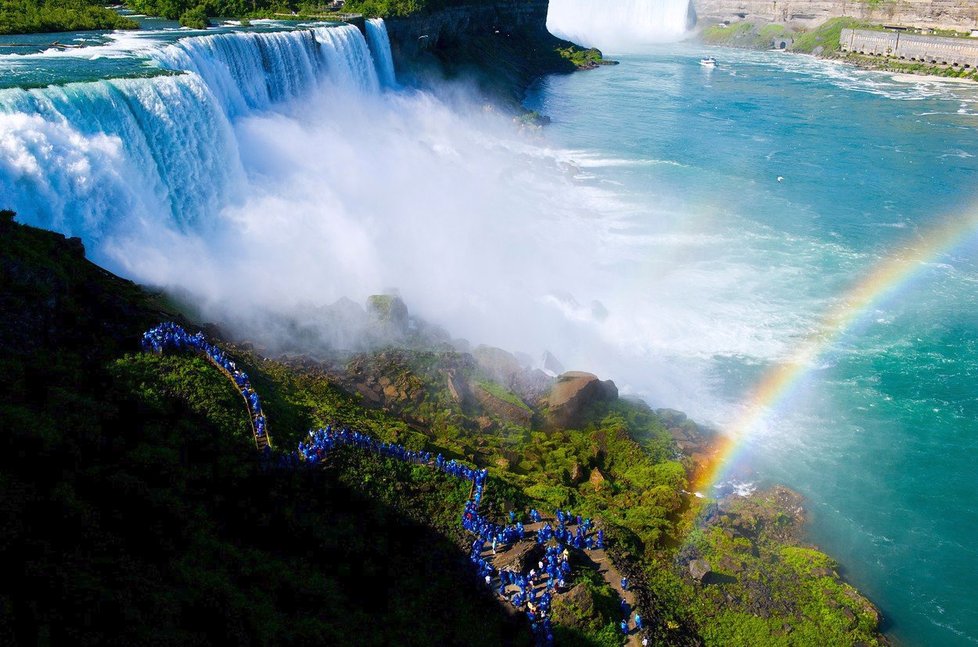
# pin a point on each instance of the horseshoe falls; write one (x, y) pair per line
(619, 25)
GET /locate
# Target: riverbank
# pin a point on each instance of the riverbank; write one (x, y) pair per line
(825, 41)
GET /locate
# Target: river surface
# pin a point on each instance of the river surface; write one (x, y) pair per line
(681, 230)
(880, 433)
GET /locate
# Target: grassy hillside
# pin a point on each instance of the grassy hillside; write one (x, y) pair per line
(137, 510)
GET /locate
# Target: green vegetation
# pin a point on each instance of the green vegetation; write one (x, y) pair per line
(774, 30)
(739, 34)
(142, 514)
(588, 614)
(400, 8)
(763, 589)
(746, 35)
(33, 16)
(911, 67)
(136, 511)
(826, 36)
(582, 58)
(502, 393)
(195, 18)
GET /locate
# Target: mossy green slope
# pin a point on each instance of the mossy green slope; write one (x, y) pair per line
(137, 511)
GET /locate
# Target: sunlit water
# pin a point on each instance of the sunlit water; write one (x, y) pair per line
(882, 436)
(644, 235)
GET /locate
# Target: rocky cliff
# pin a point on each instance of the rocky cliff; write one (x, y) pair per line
(960, 15)
(503, 46)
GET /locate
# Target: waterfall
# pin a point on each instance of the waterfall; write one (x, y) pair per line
(97, 158)
(380, 46)
(614, 25)
(248, 71)
(87, 157)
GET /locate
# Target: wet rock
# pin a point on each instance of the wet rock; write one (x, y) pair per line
(576, 473)
(699, 568)
(505, 368)
(574, 396)
(597, 479)
(575, 608)
(500, 408)
(388, 308)
(457, 388)
(552, 364)
(520, 558)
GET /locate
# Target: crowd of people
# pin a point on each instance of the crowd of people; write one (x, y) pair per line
(531, 593)
(170, 336)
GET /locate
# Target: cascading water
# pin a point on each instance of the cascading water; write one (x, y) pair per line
(109, 156)
(249, 71)
(617, 25)
(89, 157)
(380, 47)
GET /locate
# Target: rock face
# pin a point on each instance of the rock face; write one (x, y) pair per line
(388, 309)
(500, 408)
(699, 568)
(503, 45)
(575, 394)
(960, 15)
(506, 369)
(596, 479)
(520, 558)
(427, 32)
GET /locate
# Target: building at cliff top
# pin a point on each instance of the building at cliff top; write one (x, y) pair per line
(957, 15)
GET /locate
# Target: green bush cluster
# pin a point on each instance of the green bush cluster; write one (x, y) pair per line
(826, 36)
(581, 57)
(195, 18)
(32, 16)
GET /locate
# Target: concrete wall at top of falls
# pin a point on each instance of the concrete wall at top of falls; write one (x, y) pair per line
(961, 15)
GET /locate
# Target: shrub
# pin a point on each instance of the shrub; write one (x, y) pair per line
(195, 18)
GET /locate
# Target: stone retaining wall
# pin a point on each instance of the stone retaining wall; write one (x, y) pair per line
(959, 15)
(934, 50)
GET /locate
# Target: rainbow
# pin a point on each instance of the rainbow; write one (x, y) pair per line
(783, 380)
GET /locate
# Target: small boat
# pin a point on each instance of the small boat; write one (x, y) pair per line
(709, 61)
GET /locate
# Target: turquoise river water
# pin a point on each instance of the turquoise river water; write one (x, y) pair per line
(881, 436)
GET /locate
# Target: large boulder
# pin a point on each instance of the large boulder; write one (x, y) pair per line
(520, 558)
(388, 309)
(699, 569)
(575, 394)
(500, 403)
(506, 368)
